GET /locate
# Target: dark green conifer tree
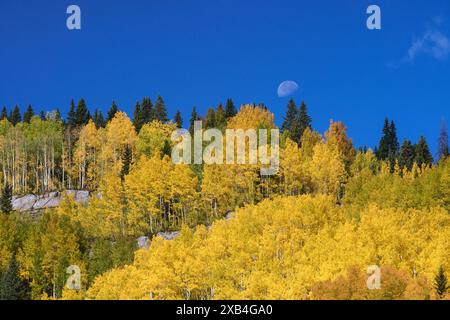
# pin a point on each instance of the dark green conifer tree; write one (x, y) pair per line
(389, 145)
(394, 144)
(178, 120)
(147, 114)
(15, 116)
(4, 114)
(385, 142)
(12, 287)
(422, 152)
(98, 119)
(29, 113)
(137, 122)
(407, 155)
(112, 111)
(160, 110)
(220, 117)
(194, 117)
(230, 109)
(290, 119)
(127, 158)
(81, 114)
(440, 282)
(304, 121)
(210, 118)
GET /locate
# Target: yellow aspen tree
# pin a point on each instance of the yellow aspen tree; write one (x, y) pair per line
(119, 133)
(217, 188)
(336, 137)
(292, 169)
(153, 137)
(308, 141)
(51, 247)
(183, 193)
(327, 170)
(251, 117)
(86, 156)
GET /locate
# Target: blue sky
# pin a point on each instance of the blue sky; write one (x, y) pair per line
(199, 52)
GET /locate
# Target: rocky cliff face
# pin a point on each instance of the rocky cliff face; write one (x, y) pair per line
(31, 202)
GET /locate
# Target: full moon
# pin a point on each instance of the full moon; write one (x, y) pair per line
(287, 88)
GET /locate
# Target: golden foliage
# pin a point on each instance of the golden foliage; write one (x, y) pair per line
(251, 117)
(289, 248)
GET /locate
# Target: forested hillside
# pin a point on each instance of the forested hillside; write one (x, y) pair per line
(308, 232)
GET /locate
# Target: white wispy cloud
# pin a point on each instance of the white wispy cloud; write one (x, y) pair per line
(432, 43)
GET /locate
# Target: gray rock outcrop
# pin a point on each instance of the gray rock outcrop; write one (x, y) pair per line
(168, 235)
(32, 202)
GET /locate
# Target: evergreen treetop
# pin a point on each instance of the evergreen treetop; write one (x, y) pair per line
(15, 116)
(389, 145)
(220, 117)
(112, 111)
(210, 118)
(160, 110)
(304, 121)
(230, 109)
(98, 119)
(29, 113)
(407, 155)
(423, 154)
(394, 144)
(137, 123)
(81, 114)
(289, 120)
(4, 114)
(147, 114)
(194, 117)
(178, 120)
